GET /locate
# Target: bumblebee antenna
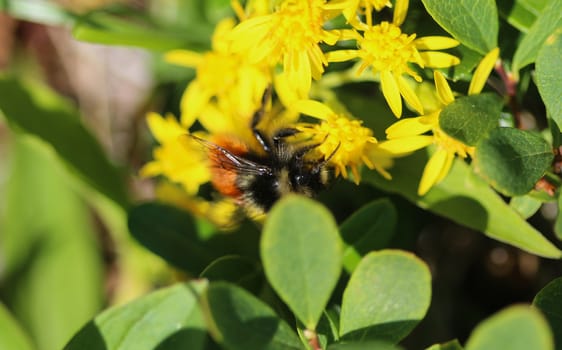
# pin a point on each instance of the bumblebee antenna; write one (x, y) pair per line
(323, 163)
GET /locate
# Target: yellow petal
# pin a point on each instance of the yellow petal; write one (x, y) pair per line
(407, 127)
(433, 169)
(192, 103)
(164, 130)
(435, 43)
(215, 121)
(409, 95)
(238, 9)
(151, 169)
(391, 92)
(286, 94)
(400, 12)
(299, 75)
(405, 144)
(483, 71)
(330, 37)
(446, 166)
(313, 108)
(341, 55)
(434, 59)
(184, 58)
(443, 89)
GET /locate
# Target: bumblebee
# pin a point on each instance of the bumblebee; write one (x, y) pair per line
(256, 179)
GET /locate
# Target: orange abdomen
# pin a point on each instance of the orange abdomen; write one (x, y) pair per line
(223, 175)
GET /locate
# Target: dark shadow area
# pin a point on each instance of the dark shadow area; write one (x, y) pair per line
(89, 337)
(172, 233)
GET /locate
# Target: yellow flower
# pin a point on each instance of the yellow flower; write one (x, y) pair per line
(350, 8)
(346, 142)
(408, 135)
(389, 52)
(220, 74)
(179, 159)
(291, 35)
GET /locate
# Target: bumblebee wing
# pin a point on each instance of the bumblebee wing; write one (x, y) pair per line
(223, 158)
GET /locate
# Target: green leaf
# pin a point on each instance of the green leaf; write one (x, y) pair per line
(43, 12)
(515, 328)
(466, 199)
(463, 71)
(166, 319)
(34, 109)
(103, 28)
(512, 160)
(548, 301)
(450, 345)
(526, 205)
(521, 13)
(12, 335)
(327, 329)
(470, 118)
(378, 345)
(369, 228)
(239, 320)
(236, 269)
(548, 73)
(54, 271)
(172, 234)
(472, 22)
(558, 222)
(549, 20)
(301, 254)
(387, 296)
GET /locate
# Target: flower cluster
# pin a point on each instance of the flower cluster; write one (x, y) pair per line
(288, 47)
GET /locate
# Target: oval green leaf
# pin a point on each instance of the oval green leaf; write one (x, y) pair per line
(38, 12)
(512, 160)
(387, 296)
(472, 22)
(369, 228)
(558, 222)
(235, 269)
(53, 274)
(301, 253)
(102, 27)
(35, 109)
(466, 199)
(238, 320)
(515, 328)
(546, 23)
(12, 335)
(378, 345)
(166, 319)
(548, 73)
(172, 234)
(450, 345)
(548, 301)
(526, 205)
(521, 13)
(470, 118)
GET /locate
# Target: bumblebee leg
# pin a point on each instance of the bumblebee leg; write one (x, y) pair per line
(283, 133)
(256, 119)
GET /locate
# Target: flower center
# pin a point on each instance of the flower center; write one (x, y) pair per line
(349, 135)
(385, 47)
(298, 24)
